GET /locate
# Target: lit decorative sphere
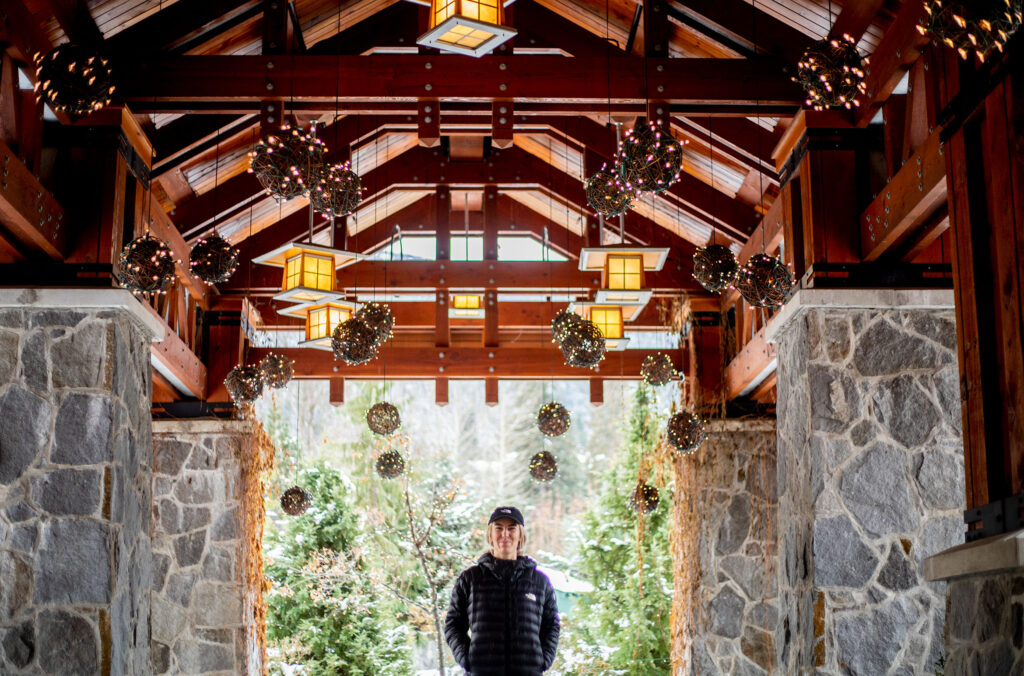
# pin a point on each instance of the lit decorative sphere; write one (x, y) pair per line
(543, 467)
(583, 346)
(831, 73)
(276, 370)
(607, 195)
(295, 501)
(977, 26)
(378, 317)
(644, 498)
(562, 324)
(354, 342)
(649, 159)
(715, 266)
(383, 418)
(146, 265)
(657, 369)
(337, 192)
(685, 432)
(764, 281)
(288, 163)
(553, 419)
(244, 384)
(390, 464)
(73, 79)
(213, 259)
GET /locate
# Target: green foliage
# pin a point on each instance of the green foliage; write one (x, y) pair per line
(323, 609)
(623, 627)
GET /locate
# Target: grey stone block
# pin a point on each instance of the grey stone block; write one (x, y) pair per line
(867, 642)
(758, 647)
(23, 538)
(73, 565)
(196, 488)
(169, 455)
(82, 431)
(996, 659)
(24, 433)
(221, 606)
(202, 457)
(882, 349)
(226, 527)
(905, 410)
(941, 329)
(217, 564)
(19, 644)
(80, 359)
(160, 656)
(68, 643)
(179, 587)
(47, 318)
(736, 525)
(897, 574)
(68, 491)
(8, 355)
(833, 397)
(20, 511)
(725, 613)
(188, 549)
(993, 602)
(940, 480)
(34, 366)
(16, 577)
(840, 558)
(200, 658)
(875, 490)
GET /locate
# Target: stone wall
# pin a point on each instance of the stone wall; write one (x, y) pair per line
(199, 606)
(730, 488)
(870, 469)
(985, 625)
(75, 459)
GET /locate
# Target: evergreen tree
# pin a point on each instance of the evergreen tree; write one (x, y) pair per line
(623, 627)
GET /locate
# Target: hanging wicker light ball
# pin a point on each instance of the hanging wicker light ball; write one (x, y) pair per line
(379, 319)
(562, 324)
(764, 281)
(978, 26)
(337, 191)
(146, 265)
(644, 498)
(831, 73)
(543, 467)
(553, 419)
(583, 346)
(213, 259)
(244, 384)
(288, 163)
(607, 195)
(649, 159)
(715, 266)
(657, 369)
(354, 342)
(276, 370)
(73, 79)
(295, 501)
(685, 432)
(382, 418)
(390, 464)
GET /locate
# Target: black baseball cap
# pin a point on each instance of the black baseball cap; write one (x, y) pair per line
(507, 513)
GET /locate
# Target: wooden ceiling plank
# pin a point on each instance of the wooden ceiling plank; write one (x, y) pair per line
(855, 18)
(535, 22)
(395, 26)
(176, 23)
(735, 19)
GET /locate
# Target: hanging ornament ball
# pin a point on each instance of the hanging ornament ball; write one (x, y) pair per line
(685, 432)
(543, 467)
(354, 342)
(831, 73)
(213, 259)
(644, 498)
(288, 163)
(583, 346)
(607, 195)
(562, 324)
(73, 79)
(276, 370)
(244, 384)
(390, 464)
(337, 192)
(715, 266)
(378, 317)
(146, 265)
(295, 501)
(977, 26)
(657, 369)
(553, 419)
(649, 159)
(383, 418)
(764, 281)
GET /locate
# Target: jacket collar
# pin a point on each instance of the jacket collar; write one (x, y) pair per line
(522, 564)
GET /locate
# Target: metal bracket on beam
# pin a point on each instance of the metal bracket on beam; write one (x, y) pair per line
(995, 518)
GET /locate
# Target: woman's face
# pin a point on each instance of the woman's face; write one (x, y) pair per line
(504, 539)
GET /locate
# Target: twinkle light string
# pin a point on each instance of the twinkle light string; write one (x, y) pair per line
(977, 27)
(146, 265)
(715, 265)
(831, 72)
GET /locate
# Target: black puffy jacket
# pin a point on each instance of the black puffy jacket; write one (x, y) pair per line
(499, 627)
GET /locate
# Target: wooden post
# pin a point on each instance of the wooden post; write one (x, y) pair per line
(491, 318)
(596, 391)
(442, 327)
(428, 122)
(441, 391)
(491, 391)
(337, 395)
(442, 223)
(490, 211)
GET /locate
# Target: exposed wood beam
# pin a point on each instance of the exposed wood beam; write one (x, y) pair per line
(28, 211)
(737, 137)
(735, 19)
(75, 20)
(178, 23)
(538, 23)
(750, 367)
(394, 26)
(855, 18)
(190, 136)
(178, 365)
(901, 45)
(384, 77)
(461, 363)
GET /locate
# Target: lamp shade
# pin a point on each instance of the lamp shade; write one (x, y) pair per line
(471, 27)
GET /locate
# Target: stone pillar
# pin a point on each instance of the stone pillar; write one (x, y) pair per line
(871, 480)
(725, 608)
(75, 459)
(202, 618)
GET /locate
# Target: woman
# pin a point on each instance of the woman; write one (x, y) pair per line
(503, 618)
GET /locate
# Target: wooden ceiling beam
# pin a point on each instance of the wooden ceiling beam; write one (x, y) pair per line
(190, 136)
(734, 21)
(180, 24)
(539, 26)
(28, 211)
(74, 19)
(855, 18)
(741, 139)
(523, 78)
(394, 26)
